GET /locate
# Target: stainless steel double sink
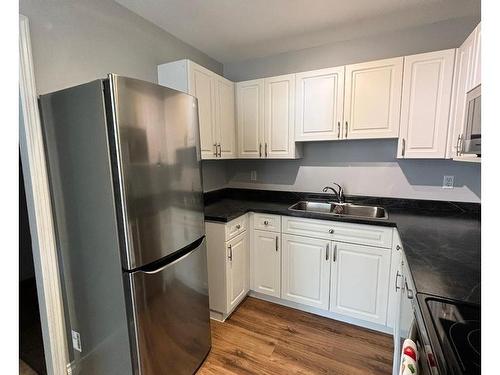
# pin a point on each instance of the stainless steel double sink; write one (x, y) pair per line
(340, 209)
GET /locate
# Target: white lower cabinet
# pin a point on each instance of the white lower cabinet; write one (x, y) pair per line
(306, 270)
(359, 281)
(237, 270)
(266, 263)
(336, 269)
(228, 260)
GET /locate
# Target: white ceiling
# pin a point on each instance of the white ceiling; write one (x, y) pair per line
(235, 30)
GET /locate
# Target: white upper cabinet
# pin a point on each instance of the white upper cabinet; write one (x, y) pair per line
(265, 113)
(373, 99)
(250, 115)
(306, 270)
(476, 76)
(279, 94)
(467, 76)
(319, 105)
(360, 281)
(216, 105)
(425, 107)
(225, 117)
(202, 86)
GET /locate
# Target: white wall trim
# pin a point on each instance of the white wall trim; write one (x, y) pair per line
(40, 212)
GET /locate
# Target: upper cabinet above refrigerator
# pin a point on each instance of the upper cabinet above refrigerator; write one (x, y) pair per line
(216, 102)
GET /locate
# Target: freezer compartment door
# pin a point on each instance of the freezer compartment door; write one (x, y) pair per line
(154, 141)
(169, 315)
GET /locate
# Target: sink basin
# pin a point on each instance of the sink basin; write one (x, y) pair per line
(340, 209)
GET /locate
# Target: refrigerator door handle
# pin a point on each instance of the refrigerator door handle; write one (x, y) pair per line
(169, 264)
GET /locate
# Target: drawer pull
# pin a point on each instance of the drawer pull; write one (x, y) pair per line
(331, 231)
(238, 226)
(266, 222)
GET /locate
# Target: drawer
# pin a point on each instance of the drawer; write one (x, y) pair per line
(371, 235)
(236, 226)
(267, 222)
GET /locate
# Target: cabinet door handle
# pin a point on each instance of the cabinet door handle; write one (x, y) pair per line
(276, 243)
(338, 132)
(260, 150)
(265, 150)
(396, 282)
(335, 253)
(346, 127)
(230, 256)
(327, 250)
(404, 148)
(398, 247)
(215, 149)
(220, 150)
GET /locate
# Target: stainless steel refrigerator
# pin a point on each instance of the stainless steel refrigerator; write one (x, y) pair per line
(124, 170)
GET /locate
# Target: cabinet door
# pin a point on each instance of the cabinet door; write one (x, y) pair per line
(250, 115)
(201, 85)
(225, 118)
(237, 274)
(360, 278)
(319, 104)
(373, 99)
(476, 76)
(279, 141)
(266, 262)
(462, 83)
(306, 270)
(425, 107)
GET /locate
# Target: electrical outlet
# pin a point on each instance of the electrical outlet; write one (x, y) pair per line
(77, 343)
(448, 182)
(253, 175)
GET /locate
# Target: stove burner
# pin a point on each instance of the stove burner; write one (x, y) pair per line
(465, 336)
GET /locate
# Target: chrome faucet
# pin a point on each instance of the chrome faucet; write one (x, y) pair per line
(338, 194)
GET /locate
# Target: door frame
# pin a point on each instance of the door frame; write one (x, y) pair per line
(40, 212)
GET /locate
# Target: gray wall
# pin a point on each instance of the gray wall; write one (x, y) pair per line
(363, 167)
(432, 37)
(77, 41)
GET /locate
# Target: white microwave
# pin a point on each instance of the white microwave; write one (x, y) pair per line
(472, 135)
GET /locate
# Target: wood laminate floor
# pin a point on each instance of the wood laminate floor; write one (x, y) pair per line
(265, 338)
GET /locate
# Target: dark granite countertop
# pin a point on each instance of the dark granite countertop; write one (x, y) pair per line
(441, 240)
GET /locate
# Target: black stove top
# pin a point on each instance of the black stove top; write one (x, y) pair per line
(455, 334)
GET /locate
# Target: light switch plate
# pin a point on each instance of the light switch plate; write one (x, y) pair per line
(448, 182)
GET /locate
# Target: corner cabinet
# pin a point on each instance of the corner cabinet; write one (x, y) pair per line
(228, 260)
(373, 99)
(319, 105)
(266, 117)
(216, 105)
(425, 108)
(359, 281)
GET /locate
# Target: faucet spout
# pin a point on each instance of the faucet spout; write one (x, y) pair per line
(339, 194)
